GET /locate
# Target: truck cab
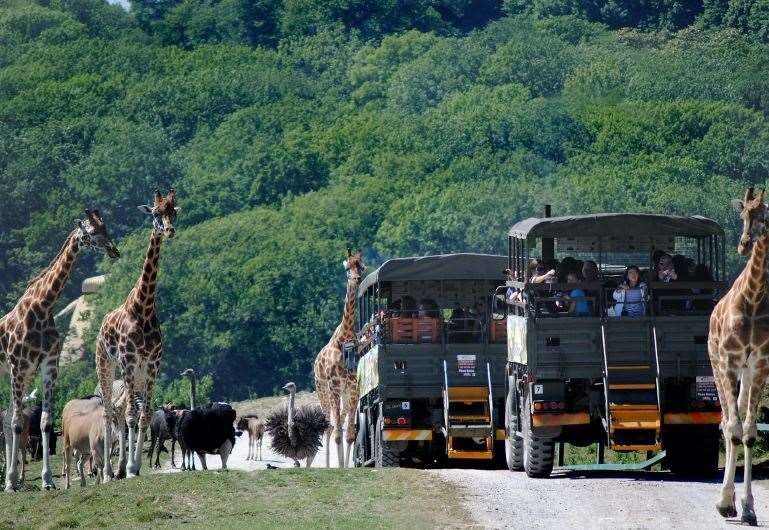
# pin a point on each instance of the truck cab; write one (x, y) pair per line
(431, 360)
(630, 369)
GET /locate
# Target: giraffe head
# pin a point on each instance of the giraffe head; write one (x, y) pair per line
(354, 266)
(755, 217)
(163, 212)
(92, 233)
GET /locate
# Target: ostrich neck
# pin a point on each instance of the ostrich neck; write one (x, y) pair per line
(290, 419)
(193, 392)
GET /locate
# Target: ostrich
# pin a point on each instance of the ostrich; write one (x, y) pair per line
(296, 433)
(190, 374)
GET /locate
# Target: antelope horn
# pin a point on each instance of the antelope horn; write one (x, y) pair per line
(748, 195)
(760, 196)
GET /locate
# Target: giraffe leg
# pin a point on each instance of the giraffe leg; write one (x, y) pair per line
(122, 443)
(7, 430)
(144, 420)
(732, 436)
(336, 422)
(351, 413)
(131, 417)
(11, 457)
(321, 388)
(50, 372)
(756, 384)
(106, 372)
(327, 403)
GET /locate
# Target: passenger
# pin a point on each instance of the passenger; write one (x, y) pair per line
(681, 267)
(664, 269)
(590, 271)
(575, 300)
(427, 308)
(457, 324)
(555, 305)
(539, 273)
(568, 264)
(631, 294)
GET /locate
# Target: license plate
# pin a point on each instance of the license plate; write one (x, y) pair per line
(705, 388)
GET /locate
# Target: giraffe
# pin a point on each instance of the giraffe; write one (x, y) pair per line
(130, 335)
(738, 346)
(29, 340)
(337, 386)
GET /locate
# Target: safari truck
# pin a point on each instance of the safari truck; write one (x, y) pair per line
(629, 383)
(431, 362)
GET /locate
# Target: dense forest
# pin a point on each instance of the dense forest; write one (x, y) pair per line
(292, 129)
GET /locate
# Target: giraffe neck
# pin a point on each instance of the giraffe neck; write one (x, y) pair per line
(48, 285)
(142, 297)
(752, 281)
(346, 331)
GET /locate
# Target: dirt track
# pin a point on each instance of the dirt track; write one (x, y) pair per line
(501, 499)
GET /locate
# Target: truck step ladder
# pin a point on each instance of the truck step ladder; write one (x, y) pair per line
(633, 416)
(468, 418)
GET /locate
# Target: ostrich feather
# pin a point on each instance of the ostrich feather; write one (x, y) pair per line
(309, 425)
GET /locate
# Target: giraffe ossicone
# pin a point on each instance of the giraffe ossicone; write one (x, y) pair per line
(29, 339)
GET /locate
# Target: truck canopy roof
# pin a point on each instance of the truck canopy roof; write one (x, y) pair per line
(441, 267)
(616, 224)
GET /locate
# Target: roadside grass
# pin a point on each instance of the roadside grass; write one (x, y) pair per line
(283, 498)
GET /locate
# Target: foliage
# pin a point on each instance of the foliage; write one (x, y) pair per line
(294, 129)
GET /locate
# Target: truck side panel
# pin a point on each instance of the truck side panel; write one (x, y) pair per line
(564, 347)
(682, 344)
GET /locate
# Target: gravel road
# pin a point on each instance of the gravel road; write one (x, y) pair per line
(594, 500)
(569, 499)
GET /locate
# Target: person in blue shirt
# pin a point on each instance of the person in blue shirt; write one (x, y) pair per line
(575, 300)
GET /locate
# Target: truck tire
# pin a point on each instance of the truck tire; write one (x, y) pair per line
(513, 442)
(694, 452)
(538, 453)
(384, 456)
(360, 441)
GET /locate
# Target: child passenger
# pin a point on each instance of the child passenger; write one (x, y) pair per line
(576, 303)
(631, 294)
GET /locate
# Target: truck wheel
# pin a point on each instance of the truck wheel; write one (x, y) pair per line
(538, 453)
(513, 442)
(694, 452)
(384, 456)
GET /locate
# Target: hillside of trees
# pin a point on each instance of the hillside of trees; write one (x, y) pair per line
(292, 129)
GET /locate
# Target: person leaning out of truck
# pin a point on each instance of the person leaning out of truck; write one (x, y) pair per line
(631, 294)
